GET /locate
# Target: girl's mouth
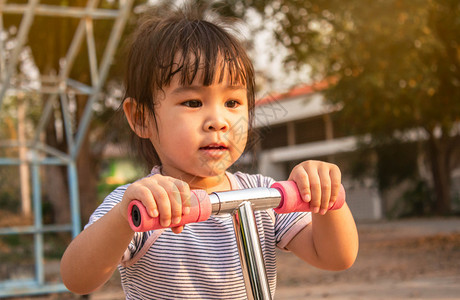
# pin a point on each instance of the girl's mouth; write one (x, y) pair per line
(214, 147)
(214, 150)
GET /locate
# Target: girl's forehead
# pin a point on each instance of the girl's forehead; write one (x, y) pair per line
(195, 68)
(224, 79)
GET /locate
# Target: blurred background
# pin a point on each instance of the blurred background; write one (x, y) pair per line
(373, 87)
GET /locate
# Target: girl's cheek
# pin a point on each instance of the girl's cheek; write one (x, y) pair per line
(239, 130)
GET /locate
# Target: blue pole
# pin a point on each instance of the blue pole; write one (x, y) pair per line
(38, 236)
(74, 200)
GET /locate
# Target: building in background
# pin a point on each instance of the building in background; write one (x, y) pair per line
(298, 126)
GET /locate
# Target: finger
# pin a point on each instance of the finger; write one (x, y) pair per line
(325, 179)
(138, 191)
(315, 188)
(168, 199)
(336, 179)
(177, 229)
(164, 205)
(174, 199)
(300, 176)
(185, 195)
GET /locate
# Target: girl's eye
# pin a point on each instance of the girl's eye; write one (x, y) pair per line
(193, 103)
(232, 103)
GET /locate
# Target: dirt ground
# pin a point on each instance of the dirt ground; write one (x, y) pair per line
(411, 259)
(408, 259)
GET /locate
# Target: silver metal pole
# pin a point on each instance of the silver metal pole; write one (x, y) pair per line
(261, 198)
(251, 256)
(241, 204)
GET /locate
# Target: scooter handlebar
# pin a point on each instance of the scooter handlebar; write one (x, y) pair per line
(200, 207)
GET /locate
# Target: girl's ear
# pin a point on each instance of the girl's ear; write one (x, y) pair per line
(135, 119)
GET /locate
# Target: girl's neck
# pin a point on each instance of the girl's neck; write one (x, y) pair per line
(210, 184)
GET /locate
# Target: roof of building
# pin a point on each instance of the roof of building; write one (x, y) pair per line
(300, 90)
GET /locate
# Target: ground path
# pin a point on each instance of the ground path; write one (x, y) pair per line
(405, 259)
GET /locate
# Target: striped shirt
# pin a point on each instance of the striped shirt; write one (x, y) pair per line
(202, 262)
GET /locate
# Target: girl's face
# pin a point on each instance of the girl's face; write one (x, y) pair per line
(202, 130)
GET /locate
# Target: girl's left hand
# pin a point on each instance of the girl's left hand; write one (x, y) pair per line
(318, 183)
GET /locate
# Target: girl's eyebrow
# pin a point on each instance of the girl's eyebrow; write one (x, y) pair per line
(197, 88)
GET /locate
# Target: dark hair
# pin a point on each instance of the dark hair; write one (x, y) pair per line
(180, 42)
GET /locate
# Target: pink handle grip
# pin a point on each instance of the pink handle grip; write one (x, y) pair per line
(291, 201)
(140, 221)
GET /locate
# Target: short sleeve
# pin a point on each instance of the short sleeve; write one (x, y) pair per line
(288, 226)
(109, 202)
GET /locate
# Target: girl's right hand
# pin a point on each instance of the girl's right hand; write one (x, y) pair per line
(163, 196)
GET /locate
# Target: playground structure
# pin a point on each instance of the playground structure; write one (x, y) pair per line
(33, 154)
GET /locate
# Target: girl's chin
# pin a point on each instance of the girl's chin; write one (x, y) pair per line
(210, 170)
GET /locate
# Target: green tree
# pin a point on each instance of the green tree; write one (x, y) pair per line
(394, 65)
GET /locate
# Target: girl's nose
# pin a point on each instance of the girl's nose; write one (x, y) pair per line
(215, 123)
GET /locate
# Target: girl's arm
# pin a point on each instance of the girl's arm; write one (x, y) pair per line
(95, 253)
(331, 240)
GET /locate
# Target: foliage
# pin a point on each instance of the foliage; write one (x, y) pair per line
(392, 60)
(393, 65)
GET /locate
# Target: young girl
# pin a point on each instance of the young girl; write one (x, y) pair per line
(190, 100)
